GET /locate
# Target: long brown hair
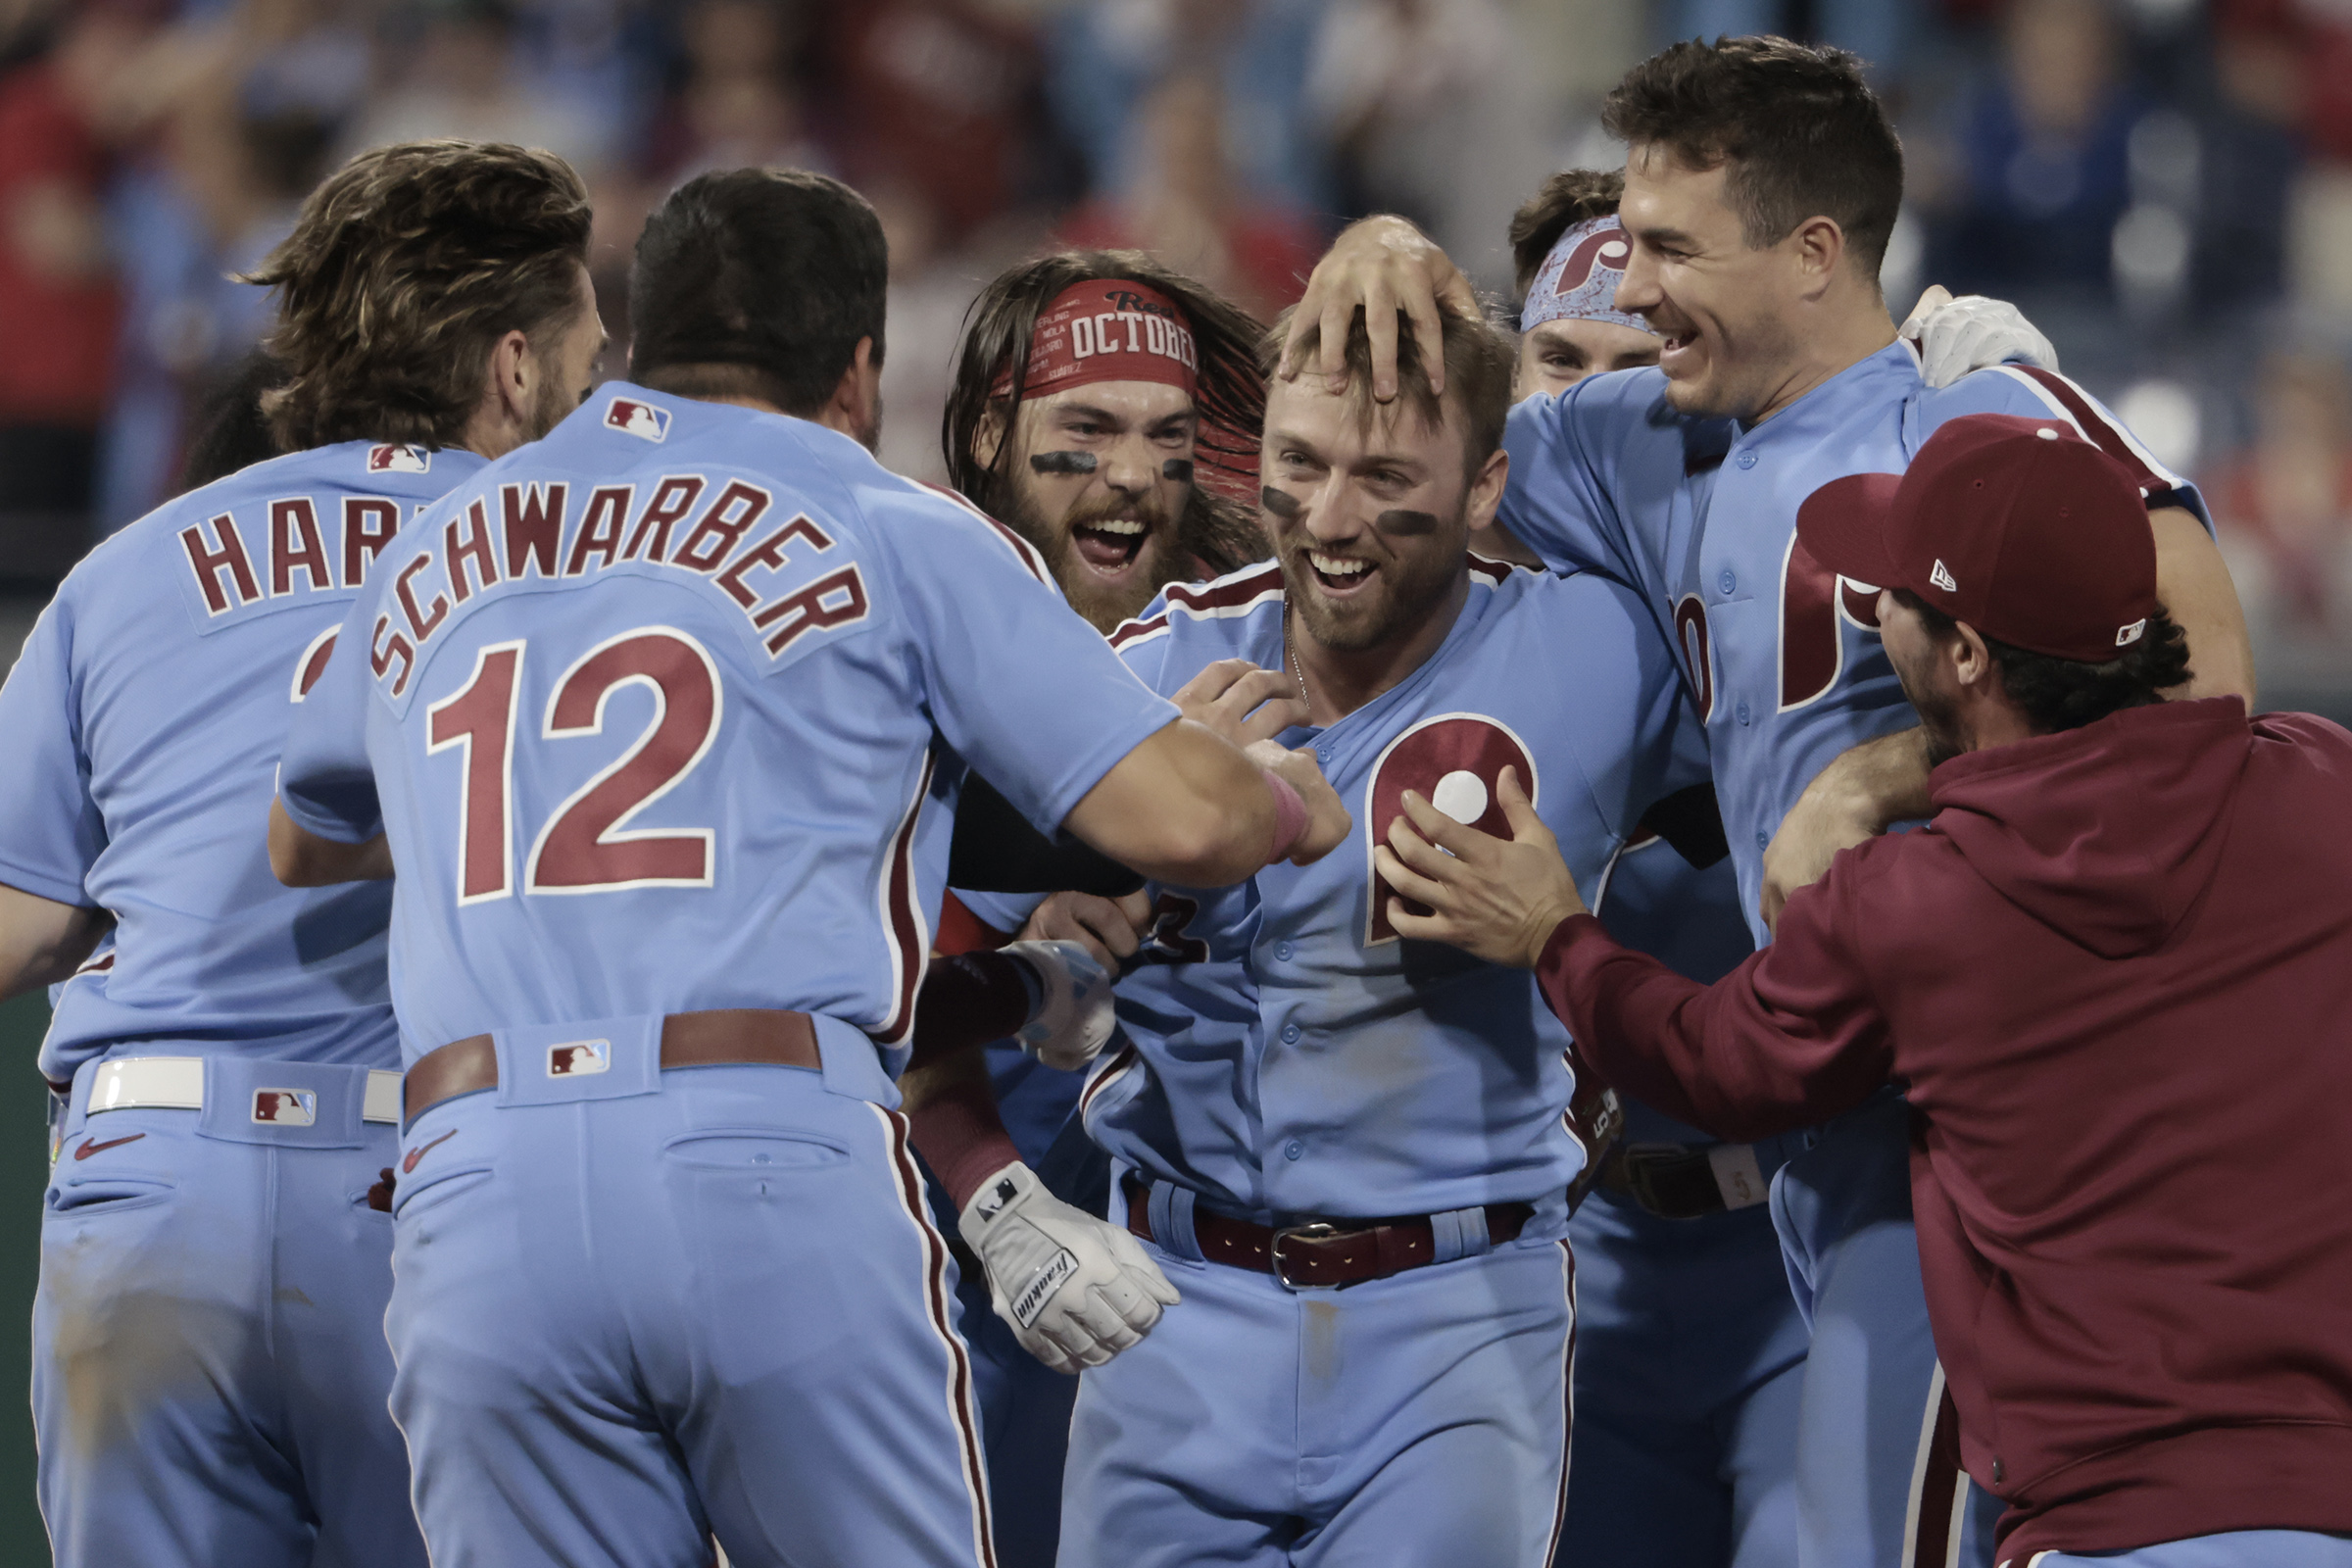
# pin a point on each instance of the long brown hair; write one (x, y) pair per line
(403, 270)
(1219, 524)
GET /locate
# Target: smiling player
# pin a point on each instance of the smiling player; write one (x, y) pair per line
(1351, 1153)
(1107, 409)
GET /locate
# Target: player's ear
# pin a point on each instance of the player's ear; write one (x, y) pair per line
(1817, 247)
(989, 434)
(1971, 661)
(1486, 489)
(857, 396)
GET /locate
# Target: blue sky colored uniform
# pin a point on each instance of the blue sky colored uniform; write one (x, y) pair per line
(665, 713)
(1690, 1351)
(1785, 663)
(144, 720)
(1290, 1056)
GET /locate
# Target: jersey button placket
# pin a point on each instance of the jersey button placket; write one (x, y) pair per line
(1726, 582)
(1282, 951)
(1293, 1149)
(1740, 712)
(1748, 459)
(1289, 1034)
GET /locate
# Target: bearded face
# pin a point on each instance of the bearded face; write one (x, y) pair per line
(1097, 480)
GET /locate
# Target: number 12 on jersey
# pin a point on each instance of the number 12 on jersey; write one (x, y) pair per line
(586, 845)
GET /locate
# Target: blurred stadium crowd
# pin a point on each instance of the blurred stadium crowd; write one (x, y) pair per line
(2164, 185)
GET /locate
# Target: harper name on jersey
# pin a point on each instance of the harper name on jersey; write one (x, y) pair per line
(146, 797)
(1700, 515)
(578, 659)
(1287, 1054)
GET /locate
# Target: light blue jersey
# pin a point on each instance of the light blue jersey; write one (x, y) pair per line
(655, 708)
(144, 721)
(219, 1237)
(1700, 517)
(1289, 1054)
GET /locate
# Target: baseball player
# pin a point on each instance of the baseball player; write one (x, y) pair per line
(1351, 1155)
(209, 1364)
(1781, 372)
(1111, 440)
(667, 752)
(1690, 1348)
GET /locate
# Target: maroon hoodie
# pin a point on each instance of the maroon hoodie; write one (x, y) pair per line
(2115, 976)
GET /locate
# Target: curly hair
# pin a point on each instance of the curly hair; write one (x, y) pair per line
(2061, 694)
(1219, 523)
(1802, 131)
(1571, 196)
(403, 270)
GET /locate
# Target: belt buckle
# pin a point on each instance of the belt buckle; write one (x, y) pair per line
(1313, 1230)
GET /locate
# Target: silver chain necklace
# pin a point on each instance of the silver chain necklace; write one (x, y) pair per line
(1291, 645)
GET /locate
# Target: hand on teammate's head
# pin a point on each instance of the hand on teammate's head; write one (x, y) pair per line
(1382, 266)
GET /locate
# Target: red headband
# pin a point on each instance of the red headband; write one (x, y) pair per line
(1107, 329)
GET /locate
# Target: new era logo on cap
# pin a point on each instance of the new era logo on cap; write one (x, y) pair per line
(640, 420)
(1942, 578)
(398, 457)
(576, 1058)
(285, 1108)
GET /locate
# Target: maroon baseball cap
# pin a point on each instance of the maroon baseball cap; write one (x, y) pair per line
(2018, 526)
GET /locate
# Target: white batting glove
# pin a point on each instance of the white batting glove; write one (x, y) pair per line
(1071, 1025)
(1077, 1291)
(1969, 334)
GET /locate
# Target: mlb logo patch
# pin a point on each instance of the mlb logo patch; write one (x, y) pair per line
(285, 1108)
(640, 420)
(398, 457)
(575, 1058)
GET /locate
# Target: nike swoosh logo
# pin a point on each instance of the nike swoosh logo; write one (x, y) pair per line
(409, 1162)
(88, 1147)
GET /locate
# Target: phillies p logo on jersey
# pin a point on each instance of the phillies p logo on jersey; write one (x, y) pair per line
(640, 420)
(398, 457)
(1452, 761)
(285, 1108)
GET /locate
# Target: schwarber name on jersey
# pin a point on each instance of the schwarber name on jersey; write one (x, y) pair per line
(652, 711)
(1700, 515)
(1287, 1052)
(144, 720)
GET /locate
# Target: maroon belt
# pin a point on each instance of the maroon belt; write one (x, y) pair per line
(721, 1037)
(1321, 1253)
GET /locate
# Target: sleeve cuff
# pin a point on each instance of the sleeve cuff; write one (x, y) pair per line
(43, 886)
(324, 824)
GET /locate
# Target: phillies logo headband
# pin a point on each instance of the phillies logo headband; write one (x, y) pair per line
(1107, 329)
(1580, 277)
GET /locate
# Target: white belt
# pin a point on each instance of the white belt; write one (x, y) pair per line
(177, 1083)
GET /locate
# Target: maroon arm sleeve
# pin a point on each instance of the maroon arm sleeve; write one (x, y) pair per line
(967, 1000)
(956, 1128)
(1788, 1039)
